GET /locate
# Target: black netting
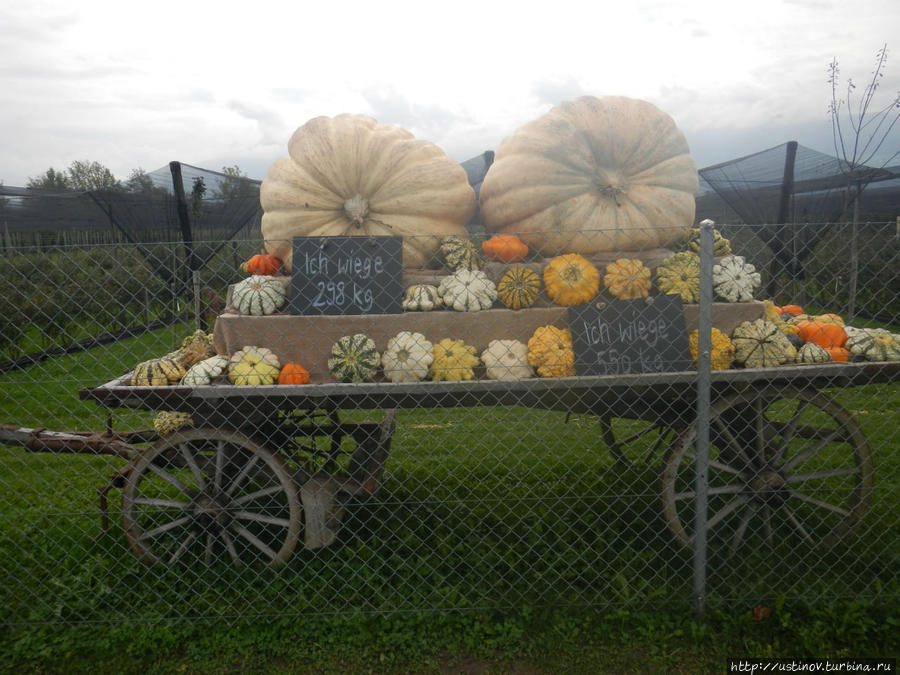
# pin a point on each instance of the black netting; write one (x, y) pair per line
(811, 187)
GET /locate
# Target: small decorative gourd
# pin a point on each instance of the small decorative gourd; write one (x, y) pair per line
(254, 366)
(519, 287)
(760, 344)
(170, 368)
(830, 317)
(460, 253)
(679, 274)
(506, 360)
(157, 372)
(354, 359)
(262, 264)
(874, 344)
(258, 295)
(570, 279)
(734, 279)
(627, 279)
(293, 373)
(170, 421)
(467, 291)
(205, 371)
(507, 248)
(550, 352)
(421, 298)
(822, 333)
(721, 245)
(722, 353)
(453, 360)
(810, 352)
(407, 357)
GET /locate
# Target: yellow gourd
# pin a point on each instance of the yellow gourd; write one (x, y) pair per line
(570, 279)
(550, 352)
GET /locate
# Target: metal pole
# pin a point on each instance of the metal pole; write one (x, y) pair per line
(704, 368)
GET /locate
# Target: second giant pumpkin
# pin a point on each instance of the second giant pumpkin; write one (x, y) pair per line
(350, 176)
(592, 175)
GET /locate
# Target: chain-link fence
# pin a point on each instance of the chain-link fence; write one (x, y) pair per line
(353, 435)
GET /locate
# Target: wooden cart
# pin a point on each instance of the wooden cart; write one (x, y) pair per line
(240, 483)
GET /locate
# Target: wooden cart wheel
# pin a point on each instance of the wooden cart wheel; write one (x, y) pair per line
(625, 437)
(212, 494)
(783, 463)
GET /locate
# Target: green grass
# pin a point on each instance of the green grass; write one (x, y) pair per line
(503, 537)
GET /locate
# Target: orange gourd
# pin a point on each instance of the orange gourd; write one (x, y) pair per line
(827, 335)
(262, 264)
(790, 310)
(506, 248)
(838, 354)
(293, 373)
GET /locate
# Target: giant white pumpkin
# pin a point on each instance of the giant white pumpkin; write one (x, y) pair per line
(592, 175)
(350, 176)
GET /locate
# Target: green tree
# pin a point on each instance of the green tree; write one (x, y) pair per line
(198, 189)
(234, 184)
(51, 179)
(85, 176)
(81, 176)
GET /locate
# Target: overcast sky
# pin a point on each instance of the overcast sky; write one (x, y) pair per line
(135, 85)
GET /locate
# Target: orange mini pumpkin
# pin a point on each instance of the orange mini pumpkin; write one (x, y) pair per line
(506, 248)
(838, 354)
(790, 310)
(293, 373)
(827, 335)
(262, 264)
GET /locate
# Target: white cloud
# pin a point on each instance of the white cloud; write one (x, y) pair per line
(230, 82)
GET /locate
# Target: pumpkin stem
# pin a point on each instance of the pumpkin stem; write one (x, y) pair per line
(356, 208)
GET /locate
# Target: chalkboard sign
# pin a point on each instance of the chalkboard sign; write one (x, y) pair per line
(630, 336)
(347, 275)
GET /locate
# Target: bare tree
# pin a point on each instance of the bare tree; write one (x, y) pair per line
(861, 131)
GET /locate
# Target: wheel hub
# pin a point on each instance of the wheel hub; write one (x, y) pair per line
(769, 487)
(212, 512)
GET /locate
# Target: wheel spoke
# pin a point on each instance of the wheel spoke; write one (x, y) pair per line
(801, 457)
(798, 525)
(262, 518)
(731, 440)
(229, 544)
(220, 465)
(731, 489)
(787, 433)
(208, 549)
(170, 479)
(183, 547)
(265, 492)
(725, 511)
(253, 539)
(716, 464)
(821, 504)
(242, 475)
(192, 463)
(759, 424)
(741, 529)
(178, 522)
(819, 475)
(166, 503)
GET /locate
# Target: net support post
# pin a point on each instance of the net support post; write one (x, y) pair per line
(704, 368)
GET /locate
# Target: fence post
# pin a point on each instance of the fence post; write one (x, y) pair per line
(704, 367)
